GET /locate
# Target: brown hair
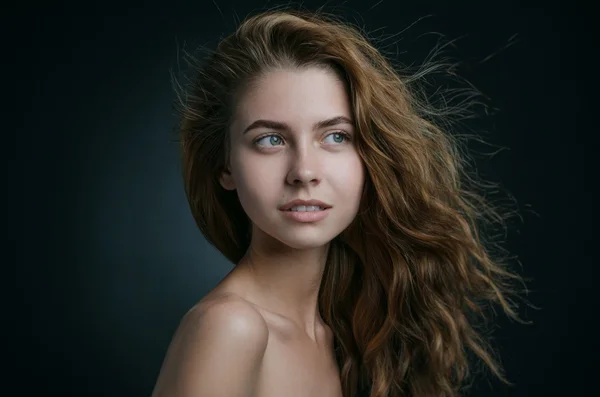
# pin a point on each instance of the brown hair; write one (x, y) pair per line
(406, 282)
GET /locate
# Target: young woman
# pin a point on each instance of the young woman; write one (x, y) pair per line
(309, 164)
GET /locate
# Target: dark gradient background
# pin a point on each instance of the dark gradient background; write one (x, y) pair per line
(110, 258)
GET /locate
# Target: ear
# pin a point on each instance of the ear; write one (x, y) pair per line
(227, 180)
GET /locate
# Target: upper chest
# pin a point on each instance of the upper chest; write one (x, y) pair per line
(296, 366)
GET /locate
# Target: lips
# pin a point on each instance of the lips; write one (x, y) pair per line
(298, 202)
(306, 217)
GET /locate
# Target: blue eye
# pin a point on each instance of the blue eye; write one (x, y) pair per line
(339, 135)
(273, 139)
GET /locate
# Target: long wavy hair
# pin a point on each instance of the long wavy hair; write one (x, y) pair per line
(406, 284)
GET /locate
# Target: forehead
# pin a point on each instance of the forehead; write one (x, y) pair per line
(298, 97)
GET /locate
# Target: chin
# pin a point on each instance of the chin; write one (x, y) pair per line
(298, 237)
(306, 245)
(311, 241)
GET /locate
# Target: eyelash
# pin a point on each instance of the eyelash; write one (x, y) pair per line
(346, 136)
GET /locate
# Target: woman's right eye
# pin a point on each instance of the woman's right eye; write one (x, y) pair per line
(272, 139)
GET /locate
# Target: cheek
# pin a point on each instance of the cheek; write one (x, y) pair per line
(256, 184)
(350, 175)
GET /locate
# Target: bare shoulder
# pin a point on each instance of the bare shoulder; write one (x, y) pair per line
(229, 313)
(217, 350)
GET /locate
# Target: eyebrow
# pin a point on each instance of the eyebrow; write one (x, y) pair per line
(278, 125)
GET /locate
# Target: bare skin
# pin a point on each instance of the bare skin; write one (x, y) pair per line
(289, 361)
(259, 333)
(295, 363)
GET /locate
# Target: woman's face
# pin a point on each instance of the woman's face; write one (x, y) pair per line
(289, 156)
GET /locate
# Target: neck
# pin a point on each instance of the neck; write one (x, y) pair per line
(287, 280)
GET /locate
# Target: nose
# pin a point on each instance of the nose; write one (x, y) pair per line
(304, 168)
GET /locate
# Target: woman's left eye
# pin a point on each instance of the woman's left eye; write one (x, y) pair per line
(339, 136)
